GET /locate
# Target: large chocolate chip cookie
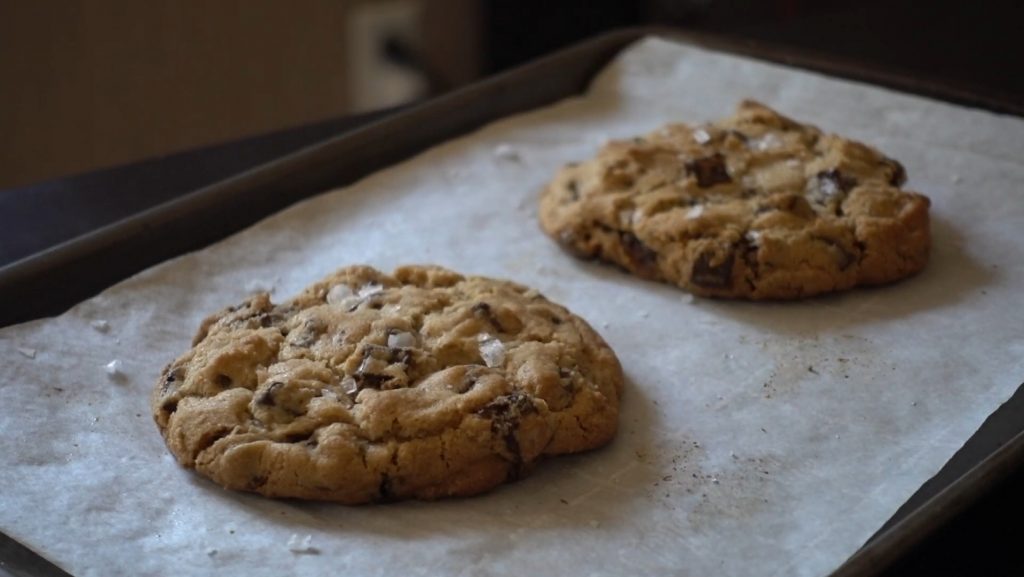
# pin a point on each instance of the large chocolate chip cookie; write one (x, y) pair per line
(755, 206)
(368, 386)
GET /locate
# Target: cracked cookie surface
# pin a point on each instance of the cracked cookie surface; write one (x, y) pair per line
(368, 386)
(755, 206)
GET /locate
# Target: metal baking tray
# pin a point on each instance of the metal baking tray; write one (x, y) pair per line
(86, 265)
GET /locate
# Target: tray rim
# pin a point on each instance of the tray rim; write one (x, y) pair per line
(880, 551)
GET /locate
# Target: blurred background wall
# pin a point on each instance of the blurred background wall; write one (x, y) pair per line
(89, 84)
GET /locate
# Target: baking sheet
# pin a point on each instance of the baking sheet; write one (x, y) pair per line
(768, 439)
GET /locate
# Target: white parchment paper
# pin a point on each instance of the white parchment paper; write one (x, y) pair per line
(756, 439)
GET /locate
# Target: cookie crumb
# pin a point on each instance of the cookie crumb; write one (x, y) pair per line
(299, 545)
(114, 369)
(211, 552)
(100, 325)
(27, 352)
(506, 152)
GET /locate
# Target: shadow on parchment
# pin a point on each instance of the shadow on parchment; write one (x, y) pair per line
(596, 489)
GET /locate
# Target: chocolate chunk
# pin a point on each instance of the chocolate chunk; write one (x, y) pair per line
(511, 404)
(899, 174)
(706, 275)
(370, 380)
(710, 170)
(831, 182)
(643, 260)
(505, 412)
(267, 397)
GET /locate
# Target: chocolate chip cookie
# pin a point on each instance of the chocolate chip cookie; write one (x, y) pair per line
(367, 387)
(755, 206)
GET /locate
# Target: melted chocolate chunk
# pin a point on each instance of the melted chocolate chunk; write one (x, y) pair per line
(505, 412)
(641, 257)
(706, 275)
(370, 380)
(710, 170)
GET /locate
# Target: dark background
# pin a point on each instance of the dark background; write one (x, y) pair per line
(972, 44)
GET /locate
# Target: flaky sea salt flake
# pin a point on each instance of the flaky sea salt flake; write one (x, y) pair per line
(115, 369)
(492, 352)
(506, 152)
(299, 545)
(338, 293)
(369, 290)
(403, 340)
(27, 352)
(701, 136)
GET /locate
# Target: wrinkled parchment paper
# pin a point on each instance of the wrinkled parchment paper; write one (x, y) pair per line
(756, 439)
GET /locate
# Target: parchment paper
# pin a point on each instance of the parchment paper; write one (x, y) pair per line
(756, 439)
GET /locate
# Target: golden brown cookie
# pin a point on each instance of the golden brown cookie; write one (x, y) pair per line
(368, 386)
(755, 206)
